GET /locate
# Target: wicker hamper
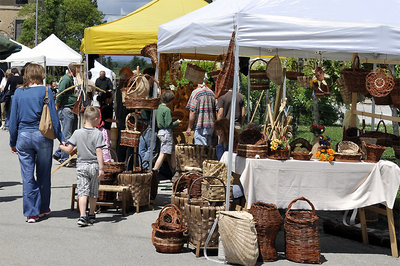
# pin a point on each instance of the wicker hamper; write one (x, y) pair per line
(139, 185)
(301, 235)
(268, 224)
(253, 151)
(190, 157)
(167, 236)
(200, 217)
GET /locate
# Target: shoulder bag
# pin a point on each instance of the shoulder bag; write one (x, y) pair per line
(46, 125)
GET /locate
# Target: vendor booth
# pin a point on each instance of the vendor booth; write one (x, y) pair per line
(333, 30)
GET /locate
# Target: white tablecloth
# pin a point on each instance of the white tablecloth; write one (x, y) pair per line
(329, 186)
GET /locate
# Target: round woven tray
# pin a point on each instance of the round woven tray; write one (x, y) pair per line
(380, 82)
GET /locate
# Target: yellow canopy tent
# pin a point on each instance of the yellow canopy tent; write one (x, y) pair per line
(128, 35)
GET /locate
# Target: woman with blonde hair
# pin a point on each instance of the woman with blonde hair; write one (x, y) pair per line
(33, 149)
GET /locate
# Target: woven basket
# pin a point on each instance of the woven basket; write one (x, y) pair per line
(190, 157)
(374, 152)
(132, 102)
(343, 157)
(258, 78)
(395, 94)
(194, 73)
(304, 81)
(355, 78)
(292, 75)
(380, 82)
(386, 100)
(178, 197)
(215, 168)
(252, 151)
(150, 51)
(301, 235)
(224, 80)
(200, 217)
(302, 156)
(300, 142)
(215, 72)
(268, 223)
(239, 237)
(130, 137)
(167, 236)
(382, 138)
(274, 70)
(113, 167)
(279, 154)
(211, 191)
(139, 185)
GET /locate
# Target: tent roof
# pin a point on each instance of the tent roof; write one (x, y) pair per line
(55, 51)
(333, 28)
(131, 33)
(8, 47)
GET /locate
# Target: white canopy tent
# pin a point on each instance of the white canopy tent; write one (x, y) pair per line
(325, 29)
(99, 67)
(52, 51)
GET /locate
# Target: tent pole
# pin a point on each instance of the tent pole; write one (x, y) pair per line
(232, 122)
(373, 108)
(284, 80)
(153, 118)
(248, 94)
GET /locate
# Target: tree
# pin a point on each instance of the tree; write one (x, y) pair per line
(138, 61)
(65, 18)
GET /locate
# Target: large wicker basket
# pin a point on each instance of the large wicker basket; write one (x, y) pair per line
(200, 217)
(143, 103)
(301, 235)
(190, 157)
(130, 137)
(268, 223)
(355, 78)
(167, 236)
(139, 184)
(253, 151)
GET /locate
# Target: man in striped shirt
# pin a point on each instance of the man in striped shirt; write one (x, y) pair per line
(202, 106)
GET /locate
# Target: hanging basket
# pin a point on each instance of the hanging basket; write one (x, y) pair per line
(130, 137)
(385, 100)
(355, 78)
(167, 236)
(195, 73)
(395, 94)
(292, 75)
(134, 102)
(224, 80)
(258, 78)
(301, 235)
(239, 237)
(200, 216)
(380, 82)
(150, 51)
(274, 70)
(268, 224)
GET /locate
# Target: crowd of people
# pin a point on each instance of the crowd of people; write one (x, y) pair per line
(22, 104)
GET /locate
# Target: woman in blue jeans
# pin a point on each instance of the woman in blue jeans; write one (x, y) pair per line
(33, 149)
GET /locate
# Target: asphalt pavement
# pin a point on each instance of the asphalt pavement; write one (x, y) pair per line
(113, 239)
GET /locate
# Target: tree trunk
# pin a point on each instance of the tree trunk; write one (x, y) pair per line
(315, 109)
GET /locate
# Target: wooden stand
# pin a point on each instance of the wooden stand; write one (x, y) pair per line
(198, 247)
(392, 233)
(124, 190)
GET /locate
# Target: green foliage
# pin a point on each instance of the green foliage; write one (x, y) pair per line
(138, 61)
(65, 18)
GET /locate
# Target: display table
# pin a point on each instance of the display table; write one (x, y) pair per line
(329, 186)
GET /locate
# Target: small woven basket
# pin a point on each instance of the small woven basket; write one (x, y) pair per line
(355, 78)
(113, 167)
(279, 154)
(213, 192)
(194, 73)
(268, 224)
(382, 138)
(252, 151)
(374, 152)
(301, 235)
(130, 137)
(301, 156)
(292, 75)
(258, 78)
(167, 236)
(380, 82)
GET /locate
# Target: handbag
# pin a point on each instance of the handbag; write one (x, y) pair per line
(46, 125)
(5, 96)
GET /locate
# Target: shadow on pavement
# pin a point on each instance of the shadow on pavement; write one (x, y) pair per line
(9, 184)
(9, 198)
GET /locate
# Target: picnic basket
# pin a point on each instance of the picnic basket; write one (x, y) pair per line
(200, 216)
(258, 78)
(167, 235)
(301, 235)
(129, 136)
(268, 224)
(239, 237)
(382, 138)
(374, 152)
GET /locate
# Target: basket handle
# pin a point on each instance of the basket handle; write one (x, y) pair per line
(204, 177)
(111, 151)
(136, 120)
(176, 182)
(129, 159)
(259, 59)
(379, 123)
(356, 62)
(294, 201)
(176, 209)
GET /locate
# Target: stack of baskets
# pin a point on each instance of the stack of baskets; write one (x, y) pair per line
(268, 223)
(301, 235)
(213, 189)
(167, 236)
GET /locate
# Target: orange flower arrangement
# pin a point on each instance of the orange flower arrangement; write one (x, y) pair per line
(325, 154)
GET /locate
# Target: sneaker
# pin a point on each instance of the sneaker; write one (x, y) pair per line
(82, 221)
(70, 165)
(92, 218)
(32, 219)
(44, 213)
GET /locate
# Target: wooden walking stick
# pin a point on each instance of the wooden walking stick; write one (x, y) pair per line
(71, 156)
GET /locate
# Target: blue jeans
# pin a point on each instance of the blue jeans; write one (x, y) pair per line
(203, 136)
(8, 112)
(66, 117)
(34, 151)
(144, 146)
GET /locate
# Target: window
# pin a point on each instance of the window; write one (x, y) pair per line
(21, 2)
(18, 28)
